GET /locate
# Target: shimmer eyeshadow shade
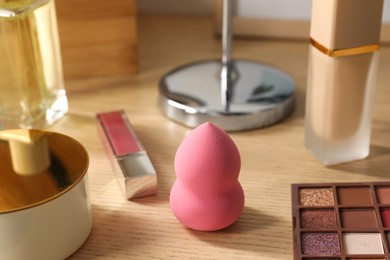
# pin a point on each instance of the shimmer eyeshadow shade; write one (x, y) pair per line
(316, 197)
(320, 243)
(343, 221)
(318, 219)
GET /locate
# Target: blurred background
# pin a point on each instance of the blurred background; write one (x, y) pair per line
(201, 7)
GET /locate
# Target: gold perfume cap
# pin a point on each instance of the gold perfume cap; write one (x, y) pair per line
(343, 24)
(29, 150)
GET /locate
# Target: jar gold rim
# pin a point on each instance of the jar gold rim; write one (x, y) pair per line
(69, 165)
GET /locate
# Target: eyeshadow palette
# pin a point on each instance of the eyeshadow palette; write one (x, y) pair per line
(344, 221)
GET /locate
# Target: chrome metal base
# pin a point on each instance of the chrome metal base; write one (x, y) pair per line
(258, 95)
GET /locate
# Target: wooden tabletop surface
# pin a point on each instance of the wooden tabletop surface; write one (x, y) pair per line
(272, 158)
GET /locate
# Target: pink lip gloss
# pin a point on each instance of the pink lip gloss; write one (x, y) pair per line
(132, 166)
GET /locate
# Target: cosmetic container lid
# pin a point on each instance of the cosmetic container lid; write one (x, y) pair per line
(342, 24)
(37, 167)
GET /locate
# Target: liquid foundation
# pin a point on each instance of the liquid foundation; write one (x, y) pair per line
(343, 60)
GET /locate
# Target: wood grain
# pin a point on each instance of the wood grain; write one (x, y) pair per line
(272, 158)
(95, 8)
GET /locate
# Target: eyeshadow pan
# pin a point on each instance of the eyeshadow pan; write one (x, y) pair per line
(320, 244)
(358, 218)
(341, 221)
(363, 243)
(316, 197)
(361, 258)
(385, 215)
(318, 219)
(383, 194)
(328, 259)
(354, 195)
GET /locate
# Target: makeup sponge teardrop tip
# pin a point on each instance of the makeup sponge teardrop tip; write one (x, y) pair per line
(206, 195)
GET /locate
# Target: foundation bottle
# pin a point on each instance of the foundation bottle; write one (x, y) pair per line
(343, 60)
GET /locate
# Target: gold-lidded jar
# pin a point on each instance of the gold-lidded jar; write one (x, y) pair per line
(47, 214)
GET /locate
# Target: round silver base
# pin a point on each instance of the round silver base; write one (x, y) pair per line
(258, 95)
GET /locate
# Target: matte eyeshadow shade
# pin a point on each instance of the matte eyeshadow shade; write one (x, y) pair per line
(385, 214)
(316, 197)
(358, 218)
(360, 258)
(318, 219)
(388, 238)
(383, 194)
(354, 196)
(320, 244)
(363, 243)
(332, 259)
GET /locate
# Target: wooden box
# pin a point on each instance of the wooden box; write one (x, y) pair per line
(98, 38)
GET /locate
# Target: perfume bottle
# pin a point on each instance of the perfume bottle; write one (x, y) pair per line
(32, 93)
(343, 60)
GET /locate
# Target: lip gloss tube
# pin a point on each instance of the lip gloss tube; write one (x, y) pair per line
(132, 166)
(343, 60)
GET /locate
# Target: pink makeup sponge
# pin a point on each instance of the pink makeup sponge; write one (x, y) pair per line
(206, 195)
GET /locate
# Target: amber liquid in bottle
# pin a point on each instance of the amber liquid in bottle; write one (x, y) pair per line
(32, 93)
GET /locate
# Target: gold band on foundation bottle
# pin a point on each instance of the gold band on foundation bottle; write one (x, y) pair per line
(343, 59)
